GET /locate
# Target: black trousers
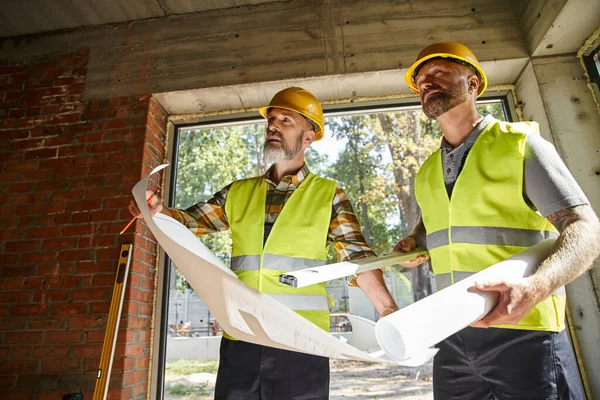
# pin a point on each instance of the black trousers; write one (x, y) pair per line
(506, 364)
(252, 372)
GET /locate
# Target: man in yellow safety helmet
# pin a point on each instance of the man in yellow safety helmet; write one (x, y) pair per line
(490, 191)
(282, 221)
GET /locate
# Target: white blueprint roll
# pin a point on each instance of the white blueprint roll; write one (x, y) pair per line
(421, 325)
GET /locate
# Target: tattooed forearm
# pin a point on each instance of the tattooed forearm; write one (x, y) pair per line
(565, 217)
(418, 233)
(575, 249)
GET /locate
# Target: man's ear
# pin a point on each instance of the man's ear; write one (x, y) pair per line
(309, 136)
(474, 83)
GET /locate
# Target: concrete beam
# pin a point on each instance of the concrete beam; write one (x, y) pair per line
(328, 89)
(555, 27)
(278, 41)
(24, 17)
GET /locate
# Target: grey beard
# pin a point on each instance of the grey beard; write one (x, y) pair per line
(273, 154)
(443, 102)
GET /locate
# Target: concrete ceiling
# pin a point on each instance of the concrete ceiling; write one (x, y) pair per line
(25, 17)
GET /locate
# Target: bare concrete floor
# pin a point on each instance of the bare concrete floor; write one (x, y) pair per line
(349, 380)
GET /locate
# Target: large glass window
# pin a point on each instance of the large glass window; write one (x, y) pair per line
(374, 155)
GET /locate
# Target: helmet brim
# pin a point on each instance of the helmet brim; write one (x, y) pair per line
(409, 75)
(265, 110)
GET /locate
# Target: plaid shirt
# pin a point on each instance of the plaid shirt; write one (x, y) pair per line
(344, 230)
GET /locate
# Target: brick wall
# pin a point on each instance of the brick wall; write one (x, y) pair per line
(67, 169)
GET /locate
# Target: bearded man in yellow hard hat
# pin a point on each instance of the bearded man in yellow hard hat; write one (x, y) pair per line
(492, 190)
(282, 221)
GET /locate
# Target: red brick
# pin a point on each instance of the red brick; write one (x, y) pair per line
(21, 246)
(47, 232)
(75, 255)
(63, 351)
(54, 244)
(84, 205)
(33, 283)
(26, 144)
(100, 308)
(95, 337)
(54, 269)
(98, 241)
(12, 324)
(71, 281)
(7, 382)
(21, 352)
(25, 337)
(19, 367)
(68, 309)
(15, 297)
(96, 267)
(38, 257)
(88, 351)
(13, 69)
(42, 351)
(16, 188)
(78, 230)
(133, 377)
(48, 323)
(94, 294)
(103, 280)
(86, 321)
(130, 308)
(63, 337)
(22, 166)
(13, 284)
(7, 271)
(27, 310)
(146, 310)
(51, 296)
(35, 176)
(61, 366)
(11, 234)
(42, 153)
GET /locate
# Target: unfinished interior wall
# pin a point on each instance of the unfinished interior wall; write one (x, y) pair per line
(67, 170)
(553, 91)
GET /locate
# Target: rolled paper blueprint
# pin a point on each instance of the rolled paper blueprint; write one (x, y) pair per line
(325, 273)
(409, 331)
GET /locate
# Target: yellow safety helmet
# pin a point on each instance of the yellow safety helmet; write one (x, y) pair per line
(301, 101)
(452, 50)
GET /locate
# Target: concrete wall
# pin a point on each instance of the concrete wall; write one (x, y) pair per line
(553, 92)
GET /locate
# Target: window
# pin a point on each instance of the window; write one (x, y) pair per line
(373, 153)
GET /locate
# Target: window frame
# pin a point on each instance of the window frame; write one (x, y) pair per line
(505, 97)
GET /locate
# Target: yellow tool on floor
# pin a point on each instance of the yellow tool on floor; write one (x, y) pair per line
(112, 326)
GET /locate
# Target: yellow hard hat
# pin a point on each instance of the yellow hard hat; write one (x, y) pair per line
(301, 101)
(452, 50)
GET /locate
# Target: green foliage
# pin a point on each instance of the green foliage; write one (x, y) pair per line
(182, 389)
(379, 156)
(189, 367)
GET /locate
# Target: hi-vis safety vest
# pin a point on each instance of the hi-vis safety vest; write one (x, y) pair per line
(486, 220)
(297, 240)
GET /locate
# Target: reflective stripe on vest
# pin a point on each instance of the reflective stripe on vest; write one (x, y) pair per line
(302, 302)
(274, 262)
(486, 220)
(442, 281)
(489, 235)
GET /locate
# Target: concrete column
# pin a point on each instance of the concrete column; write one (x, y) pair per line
(553, 92)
